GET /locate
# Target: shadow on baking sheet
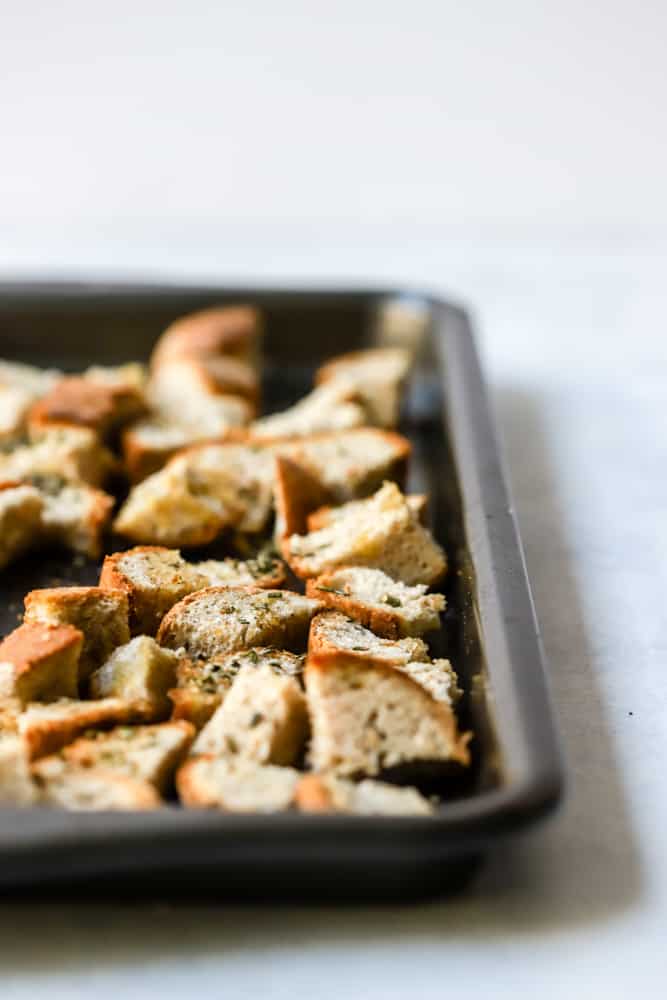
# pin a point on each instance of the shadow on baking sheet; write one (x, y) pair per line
(581, 868)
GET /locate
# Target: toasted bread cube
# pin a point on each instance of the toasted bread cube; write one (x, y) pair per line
(223, 619)
(203, 684)
(438, 677)
(77, 400)
(327, 408)
(323, 517)
(133, 375)
(235, 784)
(377, 377)
(186, 388)
(146, 753)
(148, 444)
(386, 606)
(318, 793)
(76, 516)
(20, 520)
(368, 716)
(332, 632)
(383, 534)
(40, 662)
(10, 709)
(140, 672)
(297, 493)
(101, 615)
(58, 453)
(351, 464)
(250, 466)
(155, 578)
(221, 331)
(84, 789)
(262, 718)
(47, 728)
(16, 784)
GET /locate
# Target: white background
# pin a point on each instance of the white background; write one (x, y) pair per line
(512, 155)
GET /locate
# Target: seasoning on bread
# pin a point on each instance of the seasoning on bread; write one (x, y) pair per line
(155, 578)
(385, 606)
(220, 620)
(327, 408)
(201, 685)
(147, 753)
(263, 718)
(47, 728)
(383, 534)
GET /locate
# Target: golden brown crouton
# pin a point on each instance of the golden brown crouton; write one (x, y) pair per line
(368, 716)
(262, 718)
(297, 493)
(47, 728)
(203, 684)
(78, 400)
(102, 616)
(21, 509)
(324, 793)
(147, 753)
(235, 784)
(220, 331)
(140, 672)
(84, 789)
(40, 662)
(222, 619)
(376, 375)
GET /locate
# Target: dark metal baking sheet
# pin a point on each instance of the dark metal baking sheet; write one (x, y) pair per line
(491, 633)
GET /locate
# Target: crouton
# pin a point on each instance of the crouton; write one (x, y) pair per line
(148, 445)
(75, 516)
(84, 789)
(376, 376)
(175, 380)
(140, 672)
(383, 534)
(146, 753)
(59, 452)
(297, 493)
(133, 375)
(16, 784)
(317, 793)
(263, 718)
(368, 716)
(47, 728)
(328, 408)
(386, 606)
(331, 633)
(438, 677)
(324, 517)
(236, 785)
(220, 620)
(102, 406)
(180, 506)
(40, 662)
(101, 615)
(249, 466)
(222, 331)
(20, 519)
(15, 403)
(155, 578)
(203, 684)
(10, 709)
(351, 464)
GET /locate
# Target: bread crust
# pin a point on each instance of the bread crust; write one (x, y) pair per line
(78, 400)
(220, 331)
(383, 623)
(102, 616)
(47, 728)
(297, 493)
(39, 661)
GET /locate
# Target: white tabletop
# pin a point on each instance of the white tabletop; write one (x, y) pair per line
(574, 337)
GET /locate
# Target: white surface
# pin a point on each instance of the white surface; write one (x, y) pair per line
(510, 154)
(575, 345)
(365, 110)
